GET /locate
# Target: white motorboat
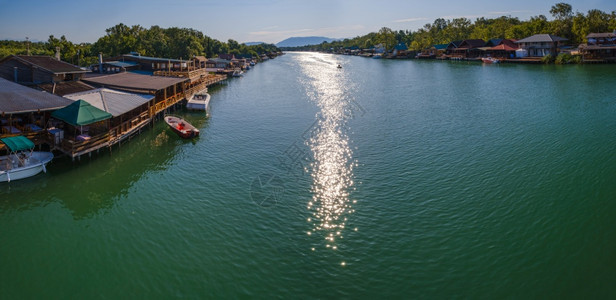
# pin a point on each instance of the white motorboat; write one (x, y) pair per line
(199, 101)
(237, 73)
(22, 162)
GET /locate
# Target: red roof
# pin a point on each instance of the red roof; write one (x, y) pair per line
(503, 47)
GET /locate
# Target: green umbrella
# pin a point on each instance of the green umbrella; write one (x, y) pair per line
(80, 113)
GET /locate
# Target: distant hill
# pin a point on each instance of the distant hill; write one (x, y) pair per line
(304, 41)
(253, 43)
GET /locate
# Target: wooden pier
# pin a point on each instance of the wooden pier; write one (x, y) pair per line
(200, 80)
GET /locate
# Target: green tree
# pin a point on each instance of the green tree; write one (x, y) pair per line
(563, 16)
(387, 37)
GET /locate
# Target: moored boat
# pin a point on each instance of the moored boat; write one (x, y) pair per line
(490, 60)
(181, 127)
(199, 101)
(22, 161)
(237, 73)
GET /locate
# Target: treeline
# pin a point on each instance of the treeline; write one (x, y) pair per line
(122, 39)
(565, 23)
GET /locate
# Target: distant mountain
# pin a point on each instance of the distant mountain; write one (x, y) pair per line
(253, 43)
(304, 41)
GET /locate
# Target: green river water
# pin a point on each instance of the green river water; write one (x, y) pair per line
(405, 179)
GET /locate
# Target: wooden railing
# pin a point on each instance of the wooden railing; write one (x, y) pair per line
(76, 148)
(193, 75)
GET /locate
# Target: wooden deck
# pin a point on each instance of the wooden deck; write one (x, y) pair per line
(73, 148)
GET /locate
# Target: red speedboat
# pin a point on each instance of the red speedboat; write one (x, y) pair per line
(181, 127)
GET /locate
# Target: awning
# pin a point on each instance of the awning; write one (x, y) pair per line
(80, 113)
(18, 143)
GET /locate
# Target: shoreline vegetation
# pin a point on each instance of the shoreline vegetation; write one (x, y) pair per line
(574, 28)
(173, 42)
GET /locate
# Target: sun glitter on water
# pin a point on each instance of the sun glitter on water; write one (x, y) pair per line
(332, 167)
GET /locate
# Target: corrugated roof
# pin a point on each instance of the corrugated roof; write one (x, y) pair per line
(15, 98)
(149, 58)
(114, 102)
(122, 64)
(134, 82)
(65, 87)
(50, 64)
(541, 38)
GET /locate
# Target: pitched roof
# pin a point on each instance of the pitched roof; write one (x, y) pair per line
(601, 35)
(493, 42)
(15, 98)
(401, 46)
(65, 87)
(114, 102)
(470, 44)
(454, 44)
(440, 46)
(130, 81)
(503, 47)
(48, 63)
(226, 56)
(541, 38)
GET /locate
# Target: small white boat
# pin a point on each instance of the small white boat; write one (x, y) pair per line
(22, 162)
(237, 73)
(199, 101)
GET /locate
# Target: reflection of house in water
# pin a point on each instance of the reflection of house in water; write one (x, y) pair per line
(25, 111)
(97, 185)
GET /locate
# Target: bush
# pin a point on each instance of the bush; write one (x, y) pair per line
(547, 59)
(577, 59)
(563, 58)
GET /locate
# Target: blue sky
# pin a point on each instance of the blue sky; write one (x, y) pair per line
(258, 20)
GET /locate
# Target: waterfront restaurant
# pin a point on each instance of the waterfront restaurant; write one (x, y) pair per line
(470, 49)
(25, 111)
(129, 111)
(166, 90)
(601, 47)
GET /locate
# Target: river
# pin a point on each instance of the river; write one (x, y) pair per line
(384, 178)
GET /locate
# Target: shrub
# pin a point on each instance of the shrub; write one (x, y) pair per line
(563, 58)
(547, 59)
